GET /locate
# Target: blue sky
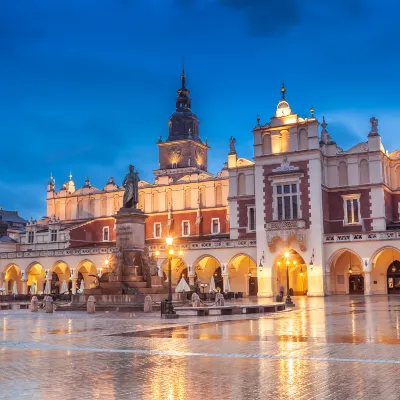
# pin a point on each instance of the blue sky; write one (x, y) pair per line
(89, 85)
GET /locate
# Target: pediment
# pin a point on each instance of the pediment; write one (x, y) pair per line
(243, 162)
(358, 148)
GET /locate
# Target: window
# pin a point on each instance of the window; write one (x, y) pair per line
(284, 141)
(53, 237)
(287, 201)
(267, 144)
(185, 228)
(352, 209)
(251, 219)
(31, 236)
(157, 230)
(106, 234)
(215, 226)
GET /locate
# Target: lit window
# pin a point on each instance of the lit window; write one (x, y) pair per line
(215, 226)
(31, 236)
(185, 228)
(351, 207)
(157, 230)
(287, 201)
(53, 235)
(106, 234)
(251, 219)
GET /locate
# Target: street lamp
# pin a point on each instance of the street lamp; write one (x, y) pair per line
(288, 302)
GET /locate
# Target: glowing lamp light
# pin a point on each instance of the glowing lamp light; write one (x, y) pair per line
(294, 262)
(394, 268)
(279, 263)
(157, 253)
(171, 252)
(107, 261)
(180, 252)
(350, 270)
(301, 274)
(169, 241)
(287, 254)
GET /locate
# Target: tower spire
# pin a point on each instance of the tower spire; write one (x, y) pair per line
(283, 90)
(183, 76)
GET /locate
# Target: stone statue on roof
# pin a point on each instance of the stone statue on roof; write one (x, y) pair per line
(232, 142)
(131, 185)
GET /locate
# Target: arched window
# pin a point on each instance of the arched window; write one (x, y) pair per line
(141, 200)
(203, 196)
(104, 206)
(285, 146)
(267, 144)
(342, 171)
(116, 204)
(91, 207)
(218, 195)
(303, 139)
(168, 199)
(364, 172)
(155, 202)
(241, 185)
(187, 199)
(80, 209)
(68, 210)
(57, 209)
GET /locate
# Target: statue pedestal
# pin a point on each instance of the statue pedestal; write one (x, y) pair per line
(130, 229)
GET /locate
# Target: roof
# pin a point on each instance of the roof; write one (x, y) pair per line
(7, 239)
(12, 216)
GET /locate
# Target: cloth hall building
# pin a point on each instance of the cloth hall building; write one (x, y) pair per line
(302, 206)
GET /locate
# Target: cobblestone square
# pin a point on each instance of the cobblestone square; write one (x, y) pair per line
(334, 348)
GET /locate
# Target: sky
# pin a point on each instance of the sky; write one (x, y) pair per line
(88, 86)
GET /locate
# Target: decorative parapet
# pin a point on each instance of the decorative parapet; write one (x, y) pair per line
(284, 230)
(206, 245)
(359, 237)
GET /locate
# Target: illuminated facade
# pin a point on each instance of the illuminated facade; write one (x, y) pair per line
(333, 213)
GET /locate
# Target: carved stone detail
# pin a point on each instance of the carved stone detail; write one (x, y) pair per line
(284, 230)
(285, 166)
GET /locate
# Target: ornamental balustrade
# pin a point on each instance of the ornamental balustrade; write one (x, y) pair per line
(284, 230)
(359, 237)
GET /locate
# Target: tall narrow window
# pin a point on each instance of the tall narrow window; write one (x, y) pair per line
(185, 228)
(285, 145)
(251, 218)
(31, 237)
(352, 209)
(104, 206)
(187, 199)
(215, 226)
(218, 195)
(106, 234)
(157, 230)
(342, 170)
(53, 235)
(241, 185)
(287, 201)
(267, 144)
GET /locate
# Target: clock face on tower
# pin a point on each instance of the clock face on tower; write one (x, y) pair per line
(174, 153)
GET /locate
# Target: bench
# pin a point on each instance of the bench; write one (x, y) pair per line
(235, 309)
(203, 311)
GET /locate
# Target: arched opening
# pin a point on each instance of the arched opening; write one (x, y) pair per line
(206, 267)
(241, 184)
(178, 270)
(364, 172)
(60, 273)
(342, 171)
(36, 278)
(385, 274)
(88, 273)
(291, 270)
(242, 271)
(12, 274)
(267, 144)
(347, 276)
(393, 277)
(285, 142)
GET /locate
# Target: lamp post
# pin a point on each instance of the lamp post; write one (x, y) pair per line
(288, 302)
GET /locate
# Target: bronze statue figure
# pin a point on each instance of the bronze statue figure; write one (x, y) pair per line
(131, 184)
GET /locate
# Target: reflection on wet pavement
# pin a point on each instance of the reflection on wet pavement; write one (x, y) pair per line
(334, 348)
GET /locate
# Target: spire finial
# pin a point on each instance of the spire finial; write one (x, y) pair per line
(70, 175)
(312, 111)
(258, 119)
(283, 90)
(324, 125)
(183, 76)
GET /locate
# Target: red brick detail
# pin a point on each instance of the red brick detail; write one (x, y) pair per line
(304, 189)
(334, 212)
(242, 220)
(388, 205)
(91, 233)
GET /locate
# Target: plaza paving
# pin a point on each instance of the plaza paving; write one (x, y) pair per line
(333, 348)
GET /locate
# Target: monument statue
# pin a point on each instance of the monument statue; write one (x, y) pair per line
(131, 184)
(374, 126)
(232, 142)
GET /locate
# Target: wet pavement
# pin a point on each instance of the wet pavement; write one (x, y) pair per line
(334, 348)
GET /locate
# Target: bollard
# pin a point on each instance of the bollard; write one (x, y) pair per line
(148, 304)
(48, 302)
(34, 304)
(195, 300)
(91, 305)
(219, 299)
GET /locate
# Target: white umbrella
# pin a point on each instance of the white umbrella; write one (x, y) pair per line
(47, 288)
(82, 286)
(15, 288)
(182, 286)
(227, 286)
(212, 285)
(64, 287)
(32, 290)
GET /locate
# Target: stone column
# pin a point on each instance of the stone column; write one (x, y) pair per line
(2, 283)
(73, 285)
(328, 289)
(190, 274)
(24, 286)
(225, 278)
(367, 283)
(160, 271)
(347, 283)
